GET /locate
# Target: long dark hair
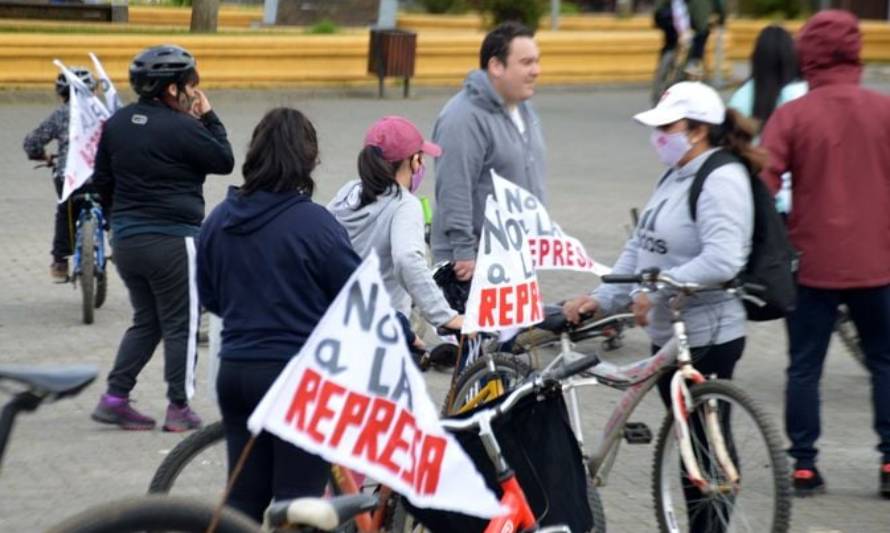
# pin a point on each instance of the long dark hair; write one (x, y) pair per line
(282, 154)
(773, 66)
(735, 135)
(377, 174)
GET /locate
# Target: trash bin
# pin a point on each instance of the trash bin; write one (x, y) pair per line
(391, 53)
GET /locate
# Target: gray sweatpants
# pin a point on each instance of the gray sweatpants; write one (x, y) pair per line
(158, 273)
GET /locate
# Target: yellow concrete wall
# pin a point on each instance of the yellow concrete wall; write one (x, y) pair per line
(230, 17)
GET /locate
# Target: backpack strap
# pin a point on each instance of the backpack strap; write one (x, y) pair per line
(713, 162)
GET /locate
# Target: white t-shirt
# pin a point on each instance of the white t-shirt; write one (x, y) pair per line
(516, 117)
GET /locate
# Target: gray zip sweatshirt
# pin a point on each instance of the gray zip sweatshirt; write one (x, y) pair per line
(476, 134)
(393, 226)
(711, 250)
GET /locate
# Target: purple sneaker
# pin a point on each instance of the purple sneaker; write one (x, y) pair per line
(116, 410)
(181, 419)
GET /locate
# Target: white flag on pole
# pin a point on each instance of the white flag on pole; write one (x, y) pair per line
(112, 99)
(353, 396)
(86, 117)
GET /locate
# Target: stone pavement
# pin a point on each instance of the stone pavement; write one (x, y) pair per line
(60, 462)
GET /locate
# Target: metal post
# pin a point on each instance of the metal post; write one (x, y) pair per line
(386, 14)
(270, 11)
(554, 15)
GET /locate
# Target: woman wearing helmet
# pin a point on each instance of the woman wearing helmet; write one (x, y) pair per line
(152, 160)
(55, 128)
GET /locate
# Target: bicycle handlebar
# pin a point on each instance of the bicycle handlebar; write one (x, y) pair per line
(533, 384)
(653, 278)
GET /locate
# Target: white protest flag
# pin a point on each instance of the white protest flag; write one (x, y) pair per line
(86, 115)
(504, 292)
(353, 396)
(112, 99)
(550, 247)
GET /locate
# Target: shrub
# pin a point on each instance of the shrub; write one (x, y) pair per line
(324, 27)
(444, 6)
(528, 12)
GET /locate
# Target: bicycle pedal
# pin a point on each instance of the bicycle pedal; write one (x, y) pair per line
(637, 433)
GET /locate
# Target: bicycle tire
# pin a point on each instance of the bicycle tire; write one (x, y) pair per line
(846, 330)
(88, 269)
(101, 289)
(595, 502)
(155, 513)
(780, 472)
(505, 364)
(184, 453)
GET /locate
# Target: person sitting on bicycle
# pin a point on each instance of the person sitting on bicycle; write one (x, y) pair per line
(688, 19)
(688, 126)
(270, 263)
(153, 158)
(380, 212)
(55, 128)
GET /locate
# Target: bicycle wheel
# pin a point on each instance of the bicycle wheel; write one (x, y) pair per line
(155, 513)
(196, 467)
(761, 503)
(88, 268)
(846, 330)
(469, 387)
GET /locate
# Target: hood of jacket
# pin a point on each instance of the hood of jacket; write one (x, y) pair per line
(829, 47)
(353, 219)
(248, 214)
(481, 92)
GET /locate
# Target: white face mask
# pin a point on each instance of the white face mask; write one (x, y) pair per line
(670, 147)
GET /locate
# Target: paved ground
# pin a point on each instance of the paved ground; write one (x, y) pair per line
(59, 461)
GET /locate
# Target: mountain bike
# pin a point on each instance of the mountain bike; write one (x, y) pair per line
(89, 255)
(715, 439)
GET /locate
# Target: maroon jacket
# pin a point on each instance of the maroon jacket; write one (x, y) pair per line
(835, 141)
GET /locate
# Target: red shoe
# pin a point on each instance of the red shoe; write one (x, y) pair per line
(885, 481)
(807, 482)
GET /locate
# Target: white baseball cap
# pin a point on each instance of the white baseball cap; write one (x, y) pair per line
(687, 99)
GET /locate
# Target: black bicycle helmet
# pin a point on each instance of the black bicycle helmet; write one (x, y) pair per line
(455, 291)
(62, 88)
(157, 67)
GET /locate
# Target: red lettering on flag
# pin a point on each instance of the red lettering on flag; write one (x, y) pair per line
(323, 410)
(521, 302)
(396, 442)
(353, 413)
(557, 254)
(535, 302)
(487, 303)
(431, 455)
(306, 392)
(505, 306)
(378, 423)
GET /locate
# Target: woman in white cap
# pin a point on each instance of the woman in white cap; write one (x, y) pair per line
(689, 125)
(380, 212)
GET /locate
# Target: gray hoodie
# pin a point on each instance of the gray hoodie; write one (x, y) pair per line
(711, 250)
(393, 226)
(477, 134)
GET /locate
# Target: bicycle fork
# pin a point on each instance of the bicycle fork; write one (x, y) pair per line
(681, 407)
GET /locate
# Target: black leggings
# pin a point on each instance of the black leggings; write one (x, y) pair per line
(275, 469)
(719, 360)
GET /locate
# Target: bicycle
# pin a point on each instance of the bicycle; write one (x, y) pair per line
(89, 249)
(708, 455)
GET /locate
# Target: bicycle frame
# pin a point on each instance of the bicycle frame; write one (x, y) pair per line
(367, 522)
(91, 210)
(637, 379)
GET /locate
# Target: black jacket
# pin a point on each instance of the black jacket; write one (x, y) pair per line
(270, 264)
(152, 161)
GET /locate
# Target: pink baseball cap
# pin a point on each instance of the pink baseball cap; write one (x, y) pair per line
(399, 139)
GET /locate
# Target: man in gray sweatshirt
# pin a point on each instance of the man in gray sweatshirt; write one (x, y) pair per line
(490, 124)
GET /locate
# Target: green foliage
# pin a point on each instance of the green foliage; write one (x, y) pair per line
(324, 27)
(569, 8)
(444, 6)
(178, 3)
(528, 12)
(776, 9)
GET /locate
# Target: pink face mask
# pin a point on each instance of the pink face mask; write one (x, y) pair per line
(670, 147)
(417, 178)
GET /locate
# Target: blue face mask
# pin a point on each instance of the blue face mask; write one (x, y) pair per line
(670, 147)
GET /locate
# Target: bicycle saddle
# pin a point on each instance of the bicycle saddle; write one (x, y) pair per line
(58, 381)
(318, 513)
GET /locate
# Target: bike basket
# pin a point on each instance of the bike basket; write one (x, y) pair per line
(537, 440)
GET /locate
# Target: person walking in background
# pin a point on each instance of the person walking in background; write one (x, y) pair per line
(775, 80)
(488, 125)
(152, 160)
(834, 141)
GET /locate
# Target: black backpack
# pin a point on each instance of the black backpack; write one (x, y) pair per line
(769, 274)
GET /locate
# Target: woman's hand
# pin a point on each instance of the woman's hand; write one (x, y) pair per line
(640, 308)
(574, 308)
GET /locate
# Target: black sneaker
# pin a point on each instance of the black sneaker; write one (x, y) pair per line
(885, 480)
(807, 482)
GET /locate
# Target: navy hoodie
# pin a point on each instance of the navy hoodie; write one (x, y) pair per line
(270, 264)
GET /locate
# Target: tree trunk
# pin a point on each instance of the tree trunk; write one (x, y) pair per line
(205, 14)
